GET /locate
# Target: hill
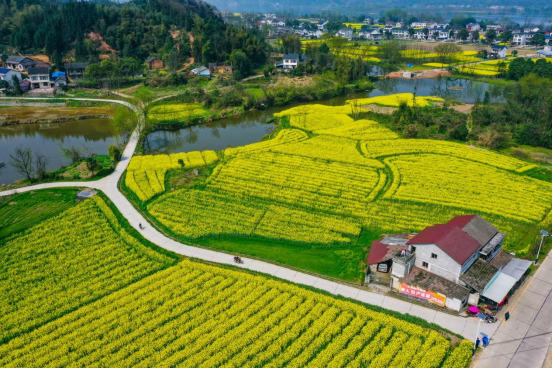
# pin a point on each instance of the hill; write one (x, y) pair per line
(82, 31)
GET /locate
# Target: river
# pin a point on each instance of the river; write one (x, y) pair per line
(95, 135)
(92, 135)
(251, 127)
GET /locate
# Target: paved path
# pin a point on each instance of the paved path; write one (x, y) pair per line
(466, 327)
(524, 341)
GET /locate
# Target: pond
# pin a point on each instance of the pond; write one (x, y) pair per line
(252, 127)
(92, 135)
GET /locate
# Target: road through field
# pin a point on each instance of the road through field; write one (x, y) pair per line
(466, 327)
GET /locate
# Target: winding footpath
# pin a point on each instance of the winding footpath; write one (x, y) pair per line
(466, 327)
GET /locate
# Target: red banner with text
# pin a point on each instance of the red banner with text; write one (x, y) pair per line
(428, 295)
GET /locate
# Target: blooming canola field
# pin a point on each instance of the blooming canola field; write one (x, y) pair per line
(324, 177)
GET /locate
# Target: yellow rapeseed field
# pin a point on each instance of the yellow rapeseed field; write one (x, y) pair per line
(326, 176)
(193, 315)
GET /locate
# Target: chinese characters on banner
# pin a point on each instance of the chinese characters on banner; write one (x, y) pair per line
(417, 292)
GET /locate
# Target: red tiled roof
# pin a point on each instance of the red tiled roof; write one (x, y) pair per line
(380, 252)
(461, 221)
(450, 237)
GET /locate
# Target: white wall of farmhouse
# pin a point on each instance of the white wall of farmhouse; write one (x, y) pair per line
(443, 265)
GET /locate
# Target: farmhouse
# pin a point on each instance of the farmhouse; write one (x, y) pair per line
(497, 52)
(472, 27)
(8, 74)
(449, 264)
(201, 71)
(345, 33)
(290, 61)
(19, 63)
(221, 68)
(75, 71)
(40, 78)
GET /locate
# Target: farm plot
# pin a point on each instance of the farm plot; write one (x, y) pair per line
(65, 262)
(146, 174)
(329, 179)
(176, 112)
(198, 315)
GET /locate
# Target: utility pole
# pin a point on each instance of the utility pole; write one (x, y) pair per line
(543, 234)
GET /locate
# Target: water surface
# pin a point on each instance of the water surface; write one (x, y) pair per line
(92, 135)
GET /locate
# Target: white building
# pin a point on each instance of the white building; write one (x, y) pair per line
(8, 74)
(449, 264)
(40, 78)
(290, 61)
(345, 33)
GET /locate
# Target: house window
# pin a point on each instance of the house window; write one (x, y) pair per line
(425, 265)
(433, 255)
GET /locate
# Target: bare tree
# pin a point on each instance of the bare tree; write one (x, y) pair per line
(22, 161)
(41, 162)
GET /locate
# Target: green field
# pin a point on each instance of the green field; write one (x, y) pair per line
(27, 209)
(325, 178)
(82, 288)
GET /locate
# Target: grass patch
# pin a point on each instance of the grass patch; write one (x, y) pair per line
(25, 210)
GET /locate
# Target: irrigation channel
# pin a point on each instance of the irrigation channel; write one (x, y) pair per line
(95, 135)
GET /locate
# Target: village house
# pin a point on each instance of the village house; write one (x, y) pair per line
(497, 52)
(201, 71)
(545, 52)
(75, 71)
(345, 33)
(290, 61)
(40, 78)
(8, 74)
(221, 68)
(400, 33)
(154, 62)
(449, 264)
(19, 63)
(472, 27)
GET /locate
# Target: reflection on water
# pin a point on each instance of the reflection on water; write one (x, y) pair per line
(251, 127)
(228, 132)
(92, 135)
(455, 89)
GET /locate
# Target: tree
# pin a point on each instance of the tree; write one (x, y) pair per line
(538, 39)
(15, 86)
(22, 162)
(75, 154)
(475, 36)
(411, 32)
(490, 36)
(242, 66)
(506, 36)
(114, 152)
(291, 44)
(463, 34)
(447, 50)
(123, 122)
(41, 162)
(92, 164)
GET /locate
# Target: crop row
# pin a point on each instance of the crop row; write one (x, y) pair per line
(146, 174)
(67, 261)
(200, 315)
(432, 179)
